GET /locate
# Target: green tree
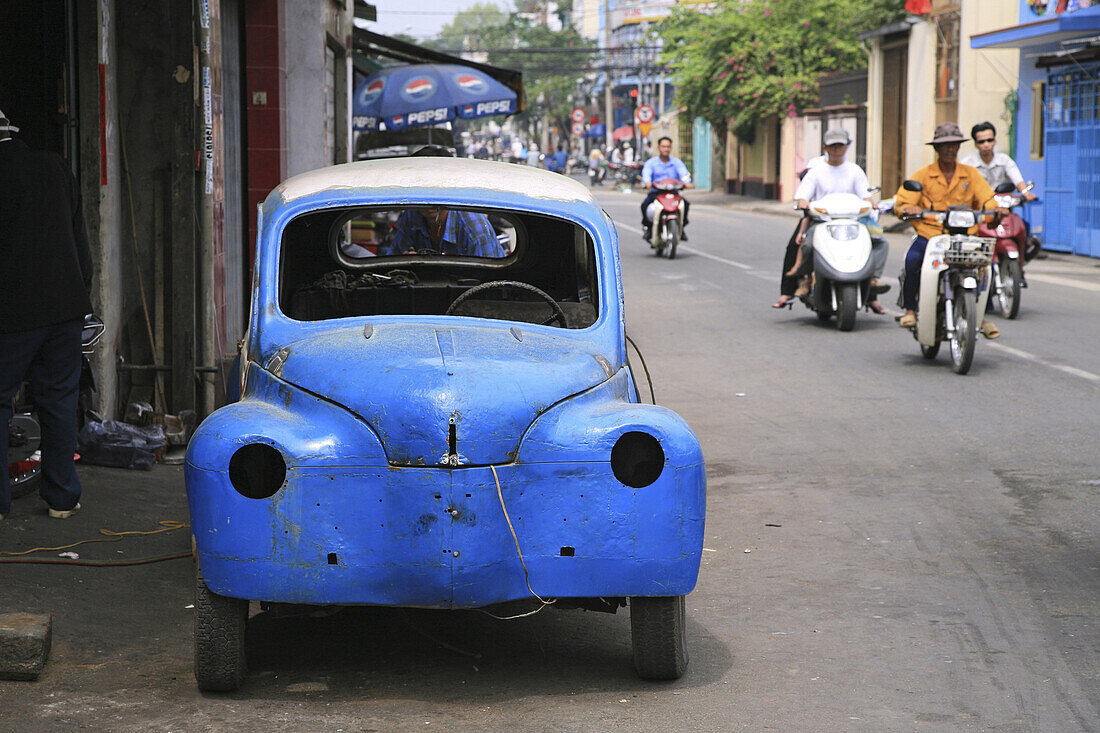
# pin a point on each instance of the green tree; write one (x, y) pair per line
(482, 25)
(748, 60)
(518, 39)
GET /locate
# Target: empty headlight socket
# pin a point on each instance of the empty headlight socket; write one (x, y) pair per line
(637, 459)
(257, 470)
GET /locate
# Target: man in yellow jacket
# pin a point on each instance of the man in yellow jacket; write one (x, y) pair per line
(946, 183)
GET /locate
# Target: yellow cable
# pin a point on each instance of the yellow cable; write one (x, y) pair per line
(167, 525)
(526, 576)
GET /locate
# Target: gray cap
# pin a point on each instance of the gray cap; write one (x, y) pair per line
(837, 137)
(6, 126)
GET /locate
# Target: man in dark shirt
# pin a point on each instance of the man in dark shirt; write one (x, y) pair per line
(45, 276)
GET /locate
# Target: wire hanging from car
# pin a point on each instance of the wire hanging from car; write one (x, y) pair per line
(526, 575)
(645, 368)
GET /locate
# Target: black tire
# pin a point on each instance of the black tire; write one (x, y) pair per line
(929, 352)
(846, 307)
(1008, 300)
(966, 329)
(673, 237)
(219, 639)
(658, 635)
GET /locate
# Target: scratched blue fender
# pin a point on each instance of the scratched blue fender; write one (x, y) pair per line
(415, 445)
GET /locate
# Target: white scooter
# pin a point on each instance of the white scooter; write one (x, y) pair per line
(954, 283)
(842, 258)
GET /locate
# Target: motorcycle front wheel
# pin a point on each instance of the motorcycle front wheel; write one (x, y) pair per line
(846, 307)
(1008, 298)
(966, 326)
(929, 352)
(672, 232)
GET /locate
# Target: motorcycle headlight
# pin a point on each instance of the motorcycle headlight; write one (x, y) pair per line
(843, 232)
(961, 219)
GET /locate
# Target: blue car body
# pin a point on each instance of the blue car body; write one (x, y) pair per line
(425, 453)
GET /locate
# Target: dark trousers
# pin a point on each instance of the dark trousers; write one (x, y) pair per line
(914, 258)
(49, 359)
(651, 197)
(789, 283)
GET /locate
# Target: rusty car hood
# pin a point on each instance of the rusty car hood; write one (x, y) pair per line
(438, 395)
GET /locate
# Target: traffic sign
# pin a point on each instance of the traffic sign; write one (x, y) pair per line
(577, 115)
(644, 114)
(644, 127)
(578, 129)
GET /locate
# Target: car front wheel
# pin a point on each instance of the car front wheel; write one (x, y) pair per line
(219, 639)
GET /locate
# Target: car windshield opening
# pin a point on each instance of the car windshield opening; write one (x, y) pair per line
(430, 259)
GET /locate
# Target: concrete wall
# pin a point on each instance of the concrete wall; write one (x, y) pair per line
(986, 76)
(920, 119)
(304, 53)
(875, 80)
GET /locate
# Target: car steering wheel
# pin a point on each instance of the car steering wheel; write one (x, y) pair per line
(558, 315)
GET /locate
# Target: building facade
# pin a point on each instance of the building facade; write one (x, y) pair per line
(1056, 140)
(177, 117)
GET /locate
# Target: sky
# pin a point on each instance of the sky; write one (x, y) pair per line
(420, 18)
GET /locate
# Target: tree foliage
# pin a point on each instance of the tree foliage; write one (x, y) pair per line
(511, 39)
(750, 59)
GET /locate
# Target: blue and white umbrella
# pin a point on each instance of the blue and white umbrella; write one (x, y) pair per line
(428, 94)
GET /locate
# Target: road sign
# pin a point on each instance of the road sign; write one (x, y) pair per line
(644, 114)
(644, 127)
(578, 129)
(577, 115)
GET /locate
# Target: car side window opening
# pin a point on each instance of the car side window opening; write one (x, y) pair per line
(420, 260)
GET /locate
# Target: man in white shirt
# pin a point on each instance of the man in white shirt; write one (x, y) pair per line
(997, 168)
(837, 175)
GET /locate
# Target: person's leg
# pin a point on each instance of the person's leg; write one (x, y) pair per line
(650, 197)
(880, 249)
(55, 384)
(914, 258)
(787, 283)
(17, 350)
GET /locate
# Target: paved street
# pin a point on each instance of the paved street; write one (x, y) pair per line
(890, 546)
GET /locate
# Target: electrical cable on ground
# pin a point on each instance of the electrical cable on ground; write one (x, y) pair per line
(109, 535)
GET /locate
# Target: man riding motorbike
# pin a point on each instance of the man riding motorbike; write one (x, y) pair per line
(834, 175)
(945, 183)
(998, 168)
(658, 168)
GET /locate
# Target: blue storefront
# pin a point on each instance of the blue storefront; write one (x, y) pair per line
(1057, 126)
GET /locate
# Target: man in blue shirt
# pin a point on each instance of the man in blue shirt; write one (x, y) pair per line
(444, 232)
(658, 168)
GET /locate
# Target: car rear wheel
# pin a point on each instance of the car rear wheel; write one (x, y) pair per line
(219, 639)
(658, 633)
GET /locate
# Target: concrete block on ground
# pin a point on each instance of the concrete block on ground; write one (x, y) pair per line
(24, 644)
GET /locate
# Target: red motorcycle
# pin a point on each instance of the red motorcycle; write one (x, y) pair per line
(666, 216)
(1008, 254)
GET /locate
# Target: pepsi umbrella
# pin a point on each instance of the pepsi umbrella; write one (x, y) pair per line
(427, 94)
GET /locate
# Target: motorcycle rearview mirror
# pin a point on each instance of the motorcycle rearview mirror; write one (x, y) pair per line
(1005, 187)
(911, 185)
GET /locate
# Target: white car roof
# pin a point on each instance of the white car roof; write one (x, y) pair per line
(410, 174)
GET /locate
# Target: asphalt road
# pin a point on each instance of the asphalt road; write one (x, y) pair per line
(890, 546)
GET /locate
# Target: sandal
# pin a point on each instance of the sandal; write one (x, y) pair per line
(785, 301)
(876, 308)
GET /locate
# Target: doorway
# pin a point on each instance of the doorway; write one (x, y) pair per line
(894, 69)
